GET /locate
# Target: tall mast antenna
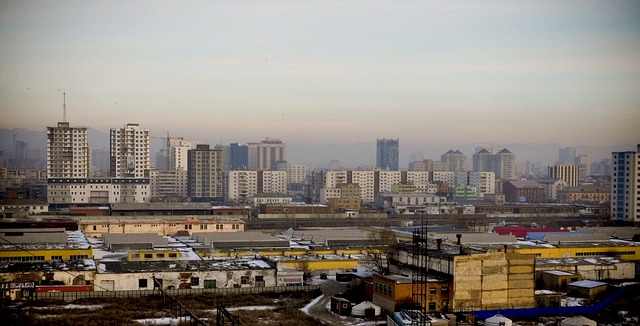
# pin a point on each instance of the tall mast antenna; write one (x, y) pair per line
(64, 106)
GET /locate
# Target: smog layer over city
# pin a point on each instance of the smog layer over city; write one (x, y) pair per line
(320, 162)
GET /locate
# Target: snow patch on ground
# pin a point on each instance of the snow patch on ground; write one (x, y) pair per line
(163, 320)
(306, 308)
(252, 308)
(74, 306)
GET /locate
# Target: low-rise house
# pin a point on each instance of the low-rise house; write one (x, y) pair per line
(590, 290)
(556, 280)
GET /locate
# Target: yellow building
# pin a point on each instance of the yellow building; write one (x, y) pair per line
(43, 245)
(339, 204)
(96, 228)
(153, 255)
(584, 194)
(403, 189)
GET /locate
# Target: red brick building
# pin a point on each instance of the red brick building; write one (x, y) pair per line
(523, 191)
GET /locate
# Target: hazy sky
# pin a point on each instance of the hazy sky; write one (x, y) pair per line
(328, 71)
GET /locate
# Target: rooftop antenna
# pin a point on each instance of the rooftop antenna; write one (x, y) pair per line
(64, 106)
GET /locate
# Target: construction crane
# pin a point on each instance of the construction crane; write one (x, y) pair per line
(167, 140)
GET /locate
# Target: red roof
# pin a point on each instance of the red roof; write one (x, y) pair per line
(521, 232)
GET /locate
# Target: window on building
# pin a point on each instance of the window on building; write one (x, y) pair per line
(209, 284)
(432, 306)
(173, 255)
(148, 256)
(142, 283)
(195, 281)
(432, 291)
(160, 255)
(56, 257)
(444, 290)
(244, 279)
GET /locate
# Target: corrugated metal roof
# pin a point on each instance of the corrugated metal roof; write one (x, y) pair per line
(587, 284)
(574, 237)
(468, 238)
(121, 240)
(623, 232)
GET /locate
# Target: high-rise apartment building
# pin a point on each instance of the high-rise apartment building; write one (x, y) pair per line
(238, 157)
(502, 163)
(67, 152)
(625, 189)
(385, 179)
(244, 184)
(266, 154)
(178, 149)
(584, 168)
(130, 152)
(484, 183)
(165, 183)
(388, 154)
(270, 152)
(68, 166)
(456, 161)
(205, 174)
(483, 161)
(296, 172)
(568, 173)
(566, 155)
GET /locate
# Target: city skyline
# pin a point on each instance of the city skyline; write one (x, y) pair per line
(329, 72)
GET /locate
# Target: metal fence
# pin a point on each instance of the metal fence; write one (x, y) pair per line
(72, 296)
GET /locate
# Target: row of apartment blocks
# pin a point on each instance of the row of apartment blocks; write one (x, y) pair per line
(238, 187)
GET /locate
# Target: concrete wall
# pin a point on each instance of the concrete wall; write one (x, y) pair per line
(493, 280)
(224, 279)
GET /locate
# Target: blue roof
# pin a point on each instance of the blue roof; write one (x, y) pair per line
(540, 235)
(587, 284)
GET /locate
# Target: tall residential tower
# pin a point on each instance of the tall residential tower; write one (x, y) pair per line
(67, 152)
(130, 152)
(205, 174)
(388, 154)
(625, 188)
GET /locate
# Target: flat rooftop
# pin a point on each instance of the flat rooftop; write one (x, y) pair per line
(183, 266)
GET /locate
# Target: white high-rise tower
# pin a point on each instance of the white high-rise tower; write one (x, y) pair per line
(130, 152)
(67, 152)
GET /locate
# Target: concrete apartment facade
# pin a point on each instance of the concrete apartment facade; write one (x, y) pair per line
(130, 152)
(625, 196)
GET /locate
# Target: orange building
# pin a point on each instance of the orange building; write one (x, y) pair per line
(392, 292)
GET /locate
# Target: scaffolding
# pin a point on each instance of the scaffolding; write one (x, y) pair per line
(420, 257)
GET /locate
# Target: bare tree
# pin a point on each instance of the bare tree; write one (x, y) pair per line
(303, 265)
(382, 242)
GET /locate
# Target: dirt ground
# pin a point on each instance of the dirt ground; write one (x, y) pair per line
(319, 310)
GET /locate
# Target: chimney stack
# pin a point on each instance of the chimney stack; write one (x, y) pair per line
(459, 236)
